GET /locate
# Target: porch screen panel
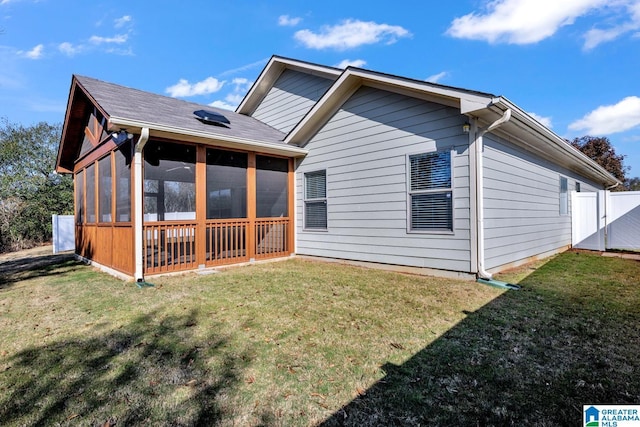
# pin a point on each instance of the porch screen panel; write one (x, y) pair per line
(226, 184)
(170, 181)
(104, 189)
(80, 212)
(91, 194)
(123, 183)
(271, 187)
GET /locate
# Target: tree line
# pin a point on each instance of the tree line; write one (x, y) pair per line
(30, 190)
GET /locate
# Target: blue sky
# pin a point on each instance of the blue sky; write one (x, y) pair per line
(573, 64)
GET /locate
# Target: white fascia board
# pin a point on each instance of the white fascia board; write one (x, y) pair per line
(195, 136)
(570, 153)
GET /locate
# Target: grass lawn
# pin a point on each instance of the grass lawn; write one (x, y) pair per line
(306, 343)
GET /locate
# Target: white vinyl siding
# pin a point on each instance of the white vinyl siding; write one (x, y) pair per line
(315, 200)
(430, 192)
(290, 98)
(522, 204)
(364, 148)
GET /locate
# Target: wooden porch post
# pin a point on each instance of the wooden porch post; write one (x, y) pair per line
(251, 206)
(201, 206)
(291, 208)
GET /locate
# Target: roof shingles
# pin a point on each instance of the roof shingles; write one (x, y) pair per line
(137, 105)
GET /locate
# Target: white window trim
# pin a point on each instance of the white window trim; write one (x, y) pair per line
(439, 190)
(305, 200)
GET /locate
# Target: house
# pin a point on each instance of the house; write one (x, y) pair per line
(345, 164)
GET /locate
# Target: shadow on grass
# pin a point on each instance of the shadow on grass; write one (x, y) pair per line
(157, 371)
(530, 357)
(30, 267)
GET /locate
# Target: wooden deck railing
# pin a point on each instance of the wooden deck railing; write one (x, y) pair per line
(169, 246)
(226, 241)
(172, 245)
(271, 238)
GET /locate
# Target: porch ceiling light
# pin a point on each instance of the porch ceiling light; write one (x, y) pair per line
(121, 136)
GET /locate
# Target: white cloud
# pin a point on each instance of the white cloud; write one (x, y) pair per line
(350, 34)
(117, 39)
(546, 121)
(70, 49)
(223, 105)
(184, 89)
(351, 63)
(522, 21)
(259, 63)
(35, 53)
(436, 77)
(288, 21)
(233, 99)
(608, 119)
(241, 84)
(597, 36)
(122, 21)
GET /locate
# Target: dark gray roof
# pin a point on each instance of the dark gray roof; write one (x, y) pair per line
(133, 104)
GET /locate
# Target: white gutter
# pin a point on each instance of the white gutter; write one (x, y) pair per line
(482, 273)
(138, 196)
(249, 144)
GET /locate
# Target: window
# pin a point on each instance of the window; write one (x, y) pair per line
(315, 200)
(564, 196)
(430, 192)
(271, 187)
(226, 184)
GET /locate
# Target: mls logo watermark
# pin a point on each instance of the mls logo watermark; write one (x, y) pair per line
(611, 415)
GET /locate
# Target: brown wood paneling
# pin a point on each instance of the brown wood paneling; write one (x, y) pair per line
(85, 240)
(103, 245)
(122, 249)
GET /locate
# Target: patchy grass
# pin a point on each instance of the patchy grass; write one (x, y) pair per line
(305, 343)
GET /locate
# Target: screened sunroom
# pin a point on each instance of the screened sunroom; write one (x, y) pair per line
(160, 189)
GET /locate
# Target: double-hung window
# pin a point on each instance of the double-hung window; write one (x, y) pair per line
(315, 200)
(430, 192)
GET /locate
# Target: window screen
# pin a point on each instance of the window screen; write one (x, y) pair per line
(226, 184)
(430, 192)
(315, 200)
(104, 189)
(91, 194)
(271, 187)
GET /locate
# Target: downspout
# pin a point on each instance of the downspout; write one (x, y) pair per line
(482, 273)
(138, 195)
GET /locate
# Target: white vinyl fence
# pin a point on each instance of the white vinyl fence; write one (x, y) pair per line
(63, 233)
(605, 220)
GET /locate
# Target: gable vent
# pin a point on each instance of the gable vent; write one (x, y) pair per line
(211, 118)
